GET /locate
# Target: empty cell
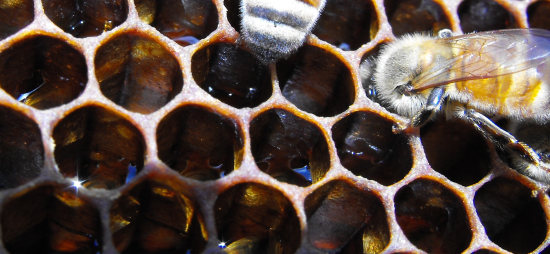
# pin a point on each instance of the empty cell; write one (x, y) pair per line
(335, 225)
(15, 16)
(415, 16)
(21, 149)
(457, 150)
(347, 24)
(288, 147)
(156, 216)
(537, 15)
(43, 72)
(85, 18)
(137, 73)
(50, 219)
(484, 15)
(199, 143)
(432, 217)
(254, 218)
(231, 75)
(185, 22)
(513, 218)
(316, 81)
(97, 148)
(367, 147)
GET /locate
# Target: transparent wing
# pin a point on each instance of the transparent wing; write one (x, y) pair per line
(488, 54)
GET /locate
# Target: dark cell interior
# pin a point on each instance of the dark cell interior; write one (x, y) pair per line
(43, 72)
(432, 217)
(254, 218)
(316, 81)
(484, 15)
(185, 22)
(347, 24)
(231, 75)
(85, 18)
(98, 148)
(199, 143)
(485, 252)
(15, 16)
(137, 73)
(50, 219)
(335, 225)
(415, 16)
(233, 13)
(537, 15)
(21, 149)
(154, 217)
(457, 150)
(513, 218)
(289, 148)
(367, 147)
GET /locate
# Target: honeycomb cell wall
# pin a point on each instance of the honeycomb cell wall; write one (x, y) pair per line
(148, 126)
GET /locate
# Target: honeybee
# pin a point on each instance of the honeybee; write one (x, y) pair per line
(275, 29)
(474, 77)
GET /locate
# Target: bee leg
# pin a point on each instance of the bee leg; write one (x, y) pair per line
(504, 141)
(432, 105)
(500, 137)
(522, 158)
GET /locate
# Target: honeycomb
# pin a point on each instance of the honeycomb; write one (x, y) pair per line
(145, 126)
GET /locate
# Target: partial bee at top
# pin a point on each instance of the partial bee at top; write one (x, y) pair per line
(276, 29)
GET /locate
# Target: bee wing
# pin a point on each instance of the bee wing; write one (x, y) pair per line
(488, 54)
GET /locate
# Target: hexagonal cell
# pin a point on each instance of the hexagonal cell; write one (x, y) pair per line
(157, 216)
(255, 218)
(43, 72)
(512, 217)
(368, 147)
(334, 224)
(50, 219)
(347, 24)
(185, 22)
(415, 16)
(98, 148)
(316, 81)
(432, 217)
(137, 73)
(21, 149)
(231, 75)
(199, 143)
(484, 15)
(457, 150)
(15, 16)
(289, 148)
(537, 15)
(85, 18)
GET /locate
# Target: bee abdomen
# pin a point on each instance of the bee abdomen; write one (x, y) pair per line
(276, 29)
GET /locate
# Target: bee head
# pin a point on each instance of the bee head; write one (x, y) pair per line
(397, 66)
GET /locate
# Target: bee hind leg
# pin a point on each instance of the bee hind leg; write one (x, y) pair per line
(522, 157)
